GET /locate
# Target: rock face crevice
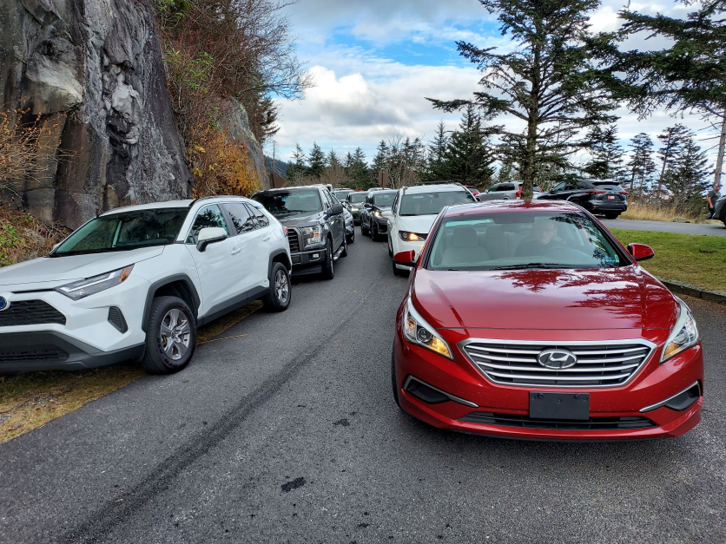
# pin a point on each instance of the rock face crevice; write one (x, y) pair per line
(93, 70)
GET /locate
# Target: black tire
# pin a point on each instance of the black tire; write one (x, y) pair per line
(351, 238)
(393, 376)
(396, 271)
(364, 231)
(390, 251)
(374, 231)
(167, 353)
(344, 253)
(612, 215)
(278, 299)
(329, 264)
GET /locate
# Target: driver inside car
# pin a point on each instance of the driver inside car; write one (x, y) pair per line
(544, 232)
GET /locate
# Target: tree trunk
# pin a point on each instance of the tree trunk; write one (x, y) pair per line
(719, 160)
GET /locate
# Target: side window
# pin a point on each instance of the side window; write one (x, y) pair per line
(506, 187)
(584, 185)
(394, 206)
(260, 217)
(559, 187)
(211, 216)
(241, 218)
(327, 203)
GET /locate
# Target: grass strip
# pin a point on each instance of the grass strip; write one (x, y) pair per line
(693, 259)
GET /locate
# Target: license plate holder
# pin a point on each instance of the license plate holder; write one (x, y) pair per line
(611, 197)
(565, 406)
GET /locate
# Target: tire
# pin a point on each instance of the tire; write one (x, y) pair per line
(363, 230)
(396, 271)
(329, 264)
(390, 251)
(278, 299)
(351, 238)
(344, 253)
(612, 215)
(393, 376)
(169, 352)
(374, 231)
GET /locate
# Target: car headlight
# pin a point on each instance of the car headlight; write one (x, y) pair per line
(683, 336)
(313, 235)
(355, 209)
(377, 213)
(90, 286)
(417, 331)
(411, 236)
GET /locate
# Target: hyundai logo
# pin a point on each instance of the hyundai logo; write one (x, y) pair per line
(4, 304)
(557, 359)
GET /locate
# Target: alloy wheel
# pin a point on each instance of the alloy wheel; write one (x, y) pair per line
(282, 287)
(175, 334)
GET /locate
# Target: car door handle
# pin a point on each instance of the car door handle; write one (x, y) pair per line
(266, 238)
(235, 250)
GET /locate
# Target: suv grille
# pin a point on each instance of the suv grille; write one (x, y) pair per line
(294, 238)
(30, 312)
(606, 364)
(525, 422)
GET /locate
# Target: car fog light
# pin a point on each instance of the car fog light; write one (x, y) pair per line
(316, 255)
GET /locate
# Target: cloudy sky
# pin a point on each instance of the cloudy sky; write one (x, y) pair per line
(374, 61)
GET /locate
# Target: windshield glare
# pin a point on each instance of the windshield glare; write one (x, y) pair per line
(125, 231)
(432, 203)
(384, 200)
(357, 198)
(514, 241)
(287, 202)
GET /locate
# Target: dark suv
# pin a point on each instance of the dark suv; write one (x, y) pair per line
(315, 226)
(373, 216)
(603, 197)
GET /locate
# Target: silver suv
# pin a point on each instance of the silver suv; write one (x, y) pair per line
(507, 190)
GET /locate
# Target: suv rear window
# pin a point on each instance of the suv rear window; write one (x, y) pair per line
(432, 203)
(609, 186)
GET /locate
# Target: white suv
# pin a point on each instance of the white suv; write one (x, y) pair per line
(136, 282)
(413, 212)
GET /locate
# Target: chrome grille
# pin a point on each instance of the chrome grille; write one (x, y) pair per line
(294, 239)
(604, 364)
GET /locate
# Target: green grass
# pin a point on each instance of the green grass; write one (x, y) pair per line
(696, 260)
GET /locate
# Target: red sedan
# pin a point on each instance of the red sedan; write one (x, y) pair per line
(528, 319)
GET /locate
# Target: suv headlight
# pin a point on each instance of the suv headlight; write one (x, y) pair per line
(313, 235)
(417, 331)
(90, 286)
(684, 334)
(411, 236)
(377, 213)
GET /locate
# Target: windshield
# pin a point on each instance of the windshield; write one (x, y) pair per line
(357, 198)
(340, 195)
(432, 203)
(513, 241)
(384, 199)
(125, 231)
(287, 202)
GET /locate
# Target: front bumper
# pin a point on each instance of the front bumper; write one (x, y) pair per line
(503, 411)
(308, 262)
(31, 351)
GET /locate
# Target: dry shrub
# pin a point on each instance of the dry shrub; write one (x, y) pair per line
(653, 212)
(22, 237)
(28, 148)
(221, 166)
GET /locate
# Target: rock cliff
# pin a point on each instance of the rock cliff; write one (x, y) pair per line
(94, 70)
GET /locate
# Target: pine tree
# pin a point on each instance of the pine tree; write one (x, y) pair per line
(297, 170)
(436, 164)
(672, 140)
(607, 153)
(687, 180)
(549, 81)
(380, 161)
(332, 160)
(357, 170)
(316, 162)
(641, 166)
(468, 155)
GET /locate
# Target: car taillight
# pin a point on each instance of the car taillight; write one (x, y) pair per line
(623, 192)
(598, 192)
(519, 193)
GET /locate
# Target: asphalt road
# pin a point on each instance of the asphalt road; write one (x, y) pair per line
(705, 229)
(290, 434)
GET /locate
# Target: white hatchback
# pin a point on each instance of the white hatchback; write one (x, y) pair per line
(136, 282)
(414, 211)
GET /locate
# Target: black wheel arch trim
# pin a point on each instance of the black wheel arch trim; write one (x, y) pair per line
(274, 255)
(151, 294)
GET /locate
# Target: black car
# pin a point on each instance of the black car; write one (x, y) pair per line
(315, 226)
(341, 193)
(354, 203)
(604, 197)
(372, 219)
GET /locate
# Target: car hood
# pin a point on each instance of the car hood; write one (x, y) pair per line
(614, 298)
(416, 223)
(54, 271)
(301, 219)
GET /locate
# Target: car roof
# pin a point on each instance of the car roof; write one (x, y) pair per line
(436, 188)
(505, 206)
(293, 188)
(152, 206)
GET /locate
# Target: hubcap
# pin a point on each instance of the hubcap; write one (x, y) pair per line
(175, 334)
(282, 287)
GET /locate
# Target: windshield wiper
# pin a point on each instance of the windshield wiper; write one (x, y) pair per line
(528, 266)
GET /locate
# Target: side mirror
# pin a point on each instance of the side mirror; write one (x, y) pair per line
(337, 209)
(477, 199)
(407, 258)
(640, 252)
(210, 235)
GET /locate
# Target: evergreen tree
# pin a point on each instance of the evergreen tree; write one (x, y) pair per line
(548, 81)
(641, 166)
(506, 171)
(688, 179)
(607, 154)
(437, 167)
(672, 140)
(333, 161)
(357, 170)
(316, 162)
(380, 161)
(468, 156)
(297, 168)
